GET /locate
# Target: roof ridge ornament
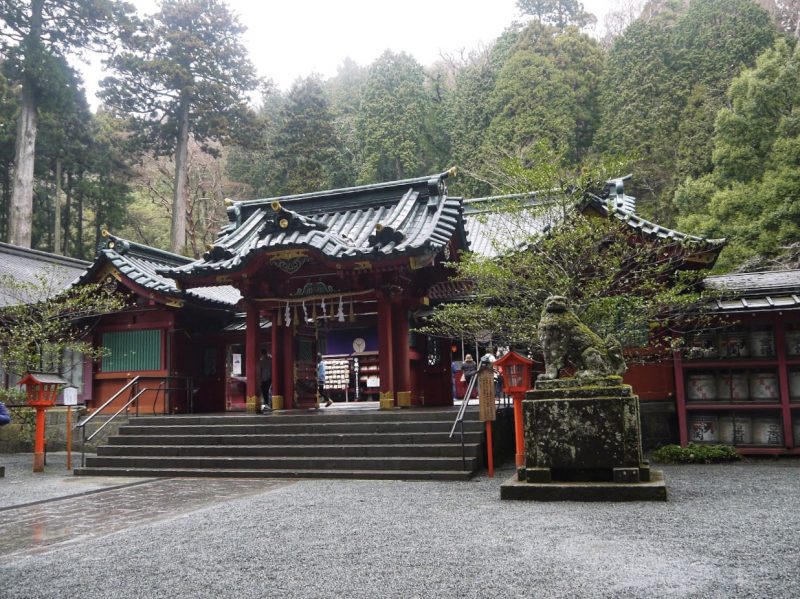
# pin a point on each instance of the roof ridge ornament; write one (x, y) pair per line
(114, 243)
(285, 221)
(385, 234)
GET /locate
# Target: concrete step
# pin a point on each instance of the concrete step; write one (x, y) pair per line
(401, 438)
(311, 416)
(282, 463)
(420, 475)
(452, 449)
(276, 427)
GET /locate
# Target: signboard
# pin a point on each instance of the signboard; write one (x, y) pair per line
(70, 396)
(236, 368)
(373, 381)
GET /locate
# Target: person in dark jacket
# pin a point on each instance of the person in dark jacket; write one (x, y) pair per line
(468, 368)
(5, 417)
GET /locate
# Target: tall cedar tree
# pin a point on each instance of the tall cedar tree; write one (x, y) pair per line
(35, 38)
(185, 72)
(392, 118)
(752, 197)
(559, 13)
(665, 79)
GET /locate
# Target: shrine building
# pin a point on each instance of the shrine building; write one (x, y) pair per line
(345, 274)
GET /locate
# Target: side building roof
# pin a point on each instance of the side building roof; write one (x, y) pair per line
(140, 264)
(757, 291)
(28, 266)
(535, 213)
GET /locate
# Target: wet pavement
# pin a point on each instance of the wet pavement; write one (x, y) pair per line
(726, 531)
(33, 528)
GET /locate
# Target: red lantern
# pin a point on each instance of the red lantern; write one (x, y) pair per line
(41, 390)
(517, 372)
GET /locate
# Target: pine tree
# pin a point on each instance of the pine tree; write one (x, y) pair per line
(185, 73)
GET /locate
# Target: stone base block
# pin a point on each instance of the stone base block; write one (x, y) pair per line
(654, 490)
(404, 399)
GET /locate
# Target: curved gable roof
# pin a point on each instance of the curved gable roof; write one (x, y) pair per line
(141, 264)
(412, 218)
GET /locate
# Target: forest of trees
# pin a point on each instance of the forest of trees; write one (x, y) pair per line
(696, 97)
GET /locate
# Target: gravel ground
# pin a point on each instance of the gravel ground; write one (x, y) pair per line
(727, 531)
(21, 485)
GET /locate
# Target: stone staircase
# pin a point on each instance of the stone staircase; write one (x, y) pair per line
(333, 443)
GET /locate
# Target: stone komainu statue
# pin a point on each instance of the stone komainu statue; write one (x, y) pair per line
(564, 339)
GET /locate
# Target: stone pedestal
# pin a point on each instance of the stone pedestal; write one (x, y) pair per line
(583, 443)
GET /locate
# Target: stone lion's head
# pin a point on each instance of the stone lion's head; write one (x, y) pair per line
(555, 304)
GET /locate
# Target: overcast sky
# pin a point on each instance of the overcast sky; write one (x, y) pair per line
(291, 39)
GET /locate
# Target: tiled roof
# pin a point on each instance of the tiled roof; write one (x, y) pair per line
(755, 291)
(485, 219)
(141, 265)
(412, 218)
(26, 265)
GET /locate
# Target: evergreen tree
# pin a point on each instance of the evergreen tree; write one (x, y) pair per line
(306, 143)
(752, 197)
(665, 82)
(392, 117)
(35, 38)
(559, 13)
(185, 73)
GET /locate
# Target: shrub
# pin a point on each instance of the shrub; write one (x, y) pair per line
(12, 395)
(695, 454)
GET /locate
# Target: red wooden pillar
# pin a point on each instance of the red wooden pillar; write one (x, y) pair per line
(402, 359)
(288, 367)
(385, 351)
(253, 328)
(783, 382)
(680, 398)
(277, 361)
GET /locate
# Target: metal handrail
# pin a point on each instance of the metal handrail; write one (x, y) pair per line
(118, 412)
(459, 421)
(136, 393)
(82, 424)
(130, 383)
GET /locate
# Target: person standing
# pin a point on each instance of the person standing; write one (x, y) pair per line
(468, 368)
(321, 381)
(5, 417)
(265, 373)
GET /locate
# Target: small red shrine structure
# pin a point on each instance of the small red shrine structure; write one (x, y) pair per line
(517, 373)
(41, 390)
